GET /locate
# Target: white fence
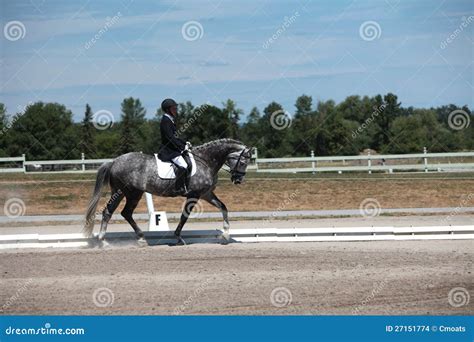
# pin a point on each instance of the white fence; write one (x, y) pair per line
(454, 161)
(424, 162)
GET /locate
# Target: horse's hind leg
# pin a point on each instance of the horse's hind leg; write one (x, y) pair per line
(132, 201)
(109, 209)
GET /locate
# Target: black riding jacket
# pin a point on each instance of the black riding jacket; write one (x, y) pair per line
(172, 146)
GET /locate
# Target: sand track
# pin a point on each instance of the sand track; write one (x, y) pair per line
(386, 277)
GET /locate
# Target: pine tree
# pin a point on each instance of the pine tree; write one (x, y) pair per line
(133, 117)
(233, 115)
(87, 134)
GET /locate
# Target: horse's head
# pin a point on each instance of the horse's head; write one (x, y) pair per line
(237, 162)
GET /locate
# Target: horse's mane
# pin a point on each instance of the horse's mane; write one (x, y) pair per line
(219, 142)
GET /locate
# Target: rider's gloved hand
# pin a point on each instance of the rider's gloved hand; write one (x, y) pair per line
(188, 146)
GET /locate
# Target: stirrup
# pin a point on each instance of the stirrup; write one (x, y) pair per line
(185, 189)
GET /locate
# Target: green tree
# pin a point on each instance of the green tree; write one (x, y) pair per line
(233, 115)
(133, 137)
(44, 131)
(391, 111)
(410, 134)
(300, 134)
(303, 105)
(352, 108)
(87, 133)
(3, 130)
(274, 130)
(319, 132)
(251, 134)
(3, 116)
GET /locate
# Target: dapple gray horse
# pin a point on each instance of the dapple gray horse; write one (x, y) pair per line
(132, 174)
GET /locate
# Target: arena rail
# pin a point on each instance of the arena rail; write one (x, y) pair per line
(422, 162)
(244, 235)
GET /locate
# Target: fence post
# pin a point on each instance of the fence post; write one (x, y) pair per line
(425, 159)
(313, 163)
(24, 166)
(256, 157)
(369, 162)
(83, 165)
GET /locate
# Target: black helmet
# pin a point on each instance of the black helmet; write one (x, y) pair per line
(167, 103)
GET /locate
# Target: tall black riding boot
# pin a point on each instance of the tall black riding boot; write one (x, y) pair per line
(188, 171)
(180, 179)
(187, 179)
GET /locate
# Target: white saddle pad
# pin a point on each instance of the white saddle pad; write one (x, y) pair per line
(166, 170)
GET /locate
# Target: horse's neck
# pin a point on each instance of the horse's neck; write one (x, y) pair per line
(217, 155)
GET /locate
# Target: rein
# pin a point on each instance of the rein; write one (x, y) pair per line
(232, 170)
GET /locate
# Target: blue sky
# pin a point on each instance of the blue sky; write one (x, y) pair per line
(321, 51)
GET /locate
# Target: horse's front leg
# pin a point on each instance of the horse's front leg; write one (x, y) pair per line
(188, 207)
(212, 199)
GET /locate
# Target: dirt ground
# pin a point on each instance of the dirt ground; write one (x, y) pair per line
(386, 277)
(69, 194)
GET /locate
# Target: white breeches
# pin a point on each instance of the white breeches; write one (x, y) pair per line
(179, 160)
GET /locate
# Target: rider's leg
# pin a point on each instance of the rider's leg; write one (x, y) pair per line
(180, 162)
(188, 169)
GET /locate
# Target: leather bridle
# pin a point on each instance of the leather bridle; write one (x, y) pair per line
(234, 170)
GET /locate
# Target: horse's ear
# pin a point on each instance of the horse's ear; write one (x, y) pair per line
(251, 151)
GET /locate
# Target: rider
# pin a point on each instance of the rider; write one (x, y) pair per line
(173, 148)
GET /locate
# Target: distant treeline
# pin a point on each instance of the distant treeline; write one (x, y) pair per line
(47, 130)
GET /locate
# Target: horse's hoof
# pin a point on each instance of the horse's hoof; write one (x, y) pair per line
(226, 236)
(102, 243)
(181, 241)
(142, 242)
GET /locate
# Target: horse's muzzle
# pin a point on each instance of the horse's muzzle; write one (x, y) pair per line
(237, 178)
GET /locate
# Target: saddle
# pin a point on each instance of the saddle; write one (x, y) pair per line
(166, 170)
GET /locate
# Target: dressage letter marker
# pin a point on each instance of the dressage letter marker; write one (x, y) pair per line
(158, 221)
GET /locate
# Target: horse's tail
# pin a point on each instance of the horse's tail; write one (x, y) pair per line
(103, 175)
